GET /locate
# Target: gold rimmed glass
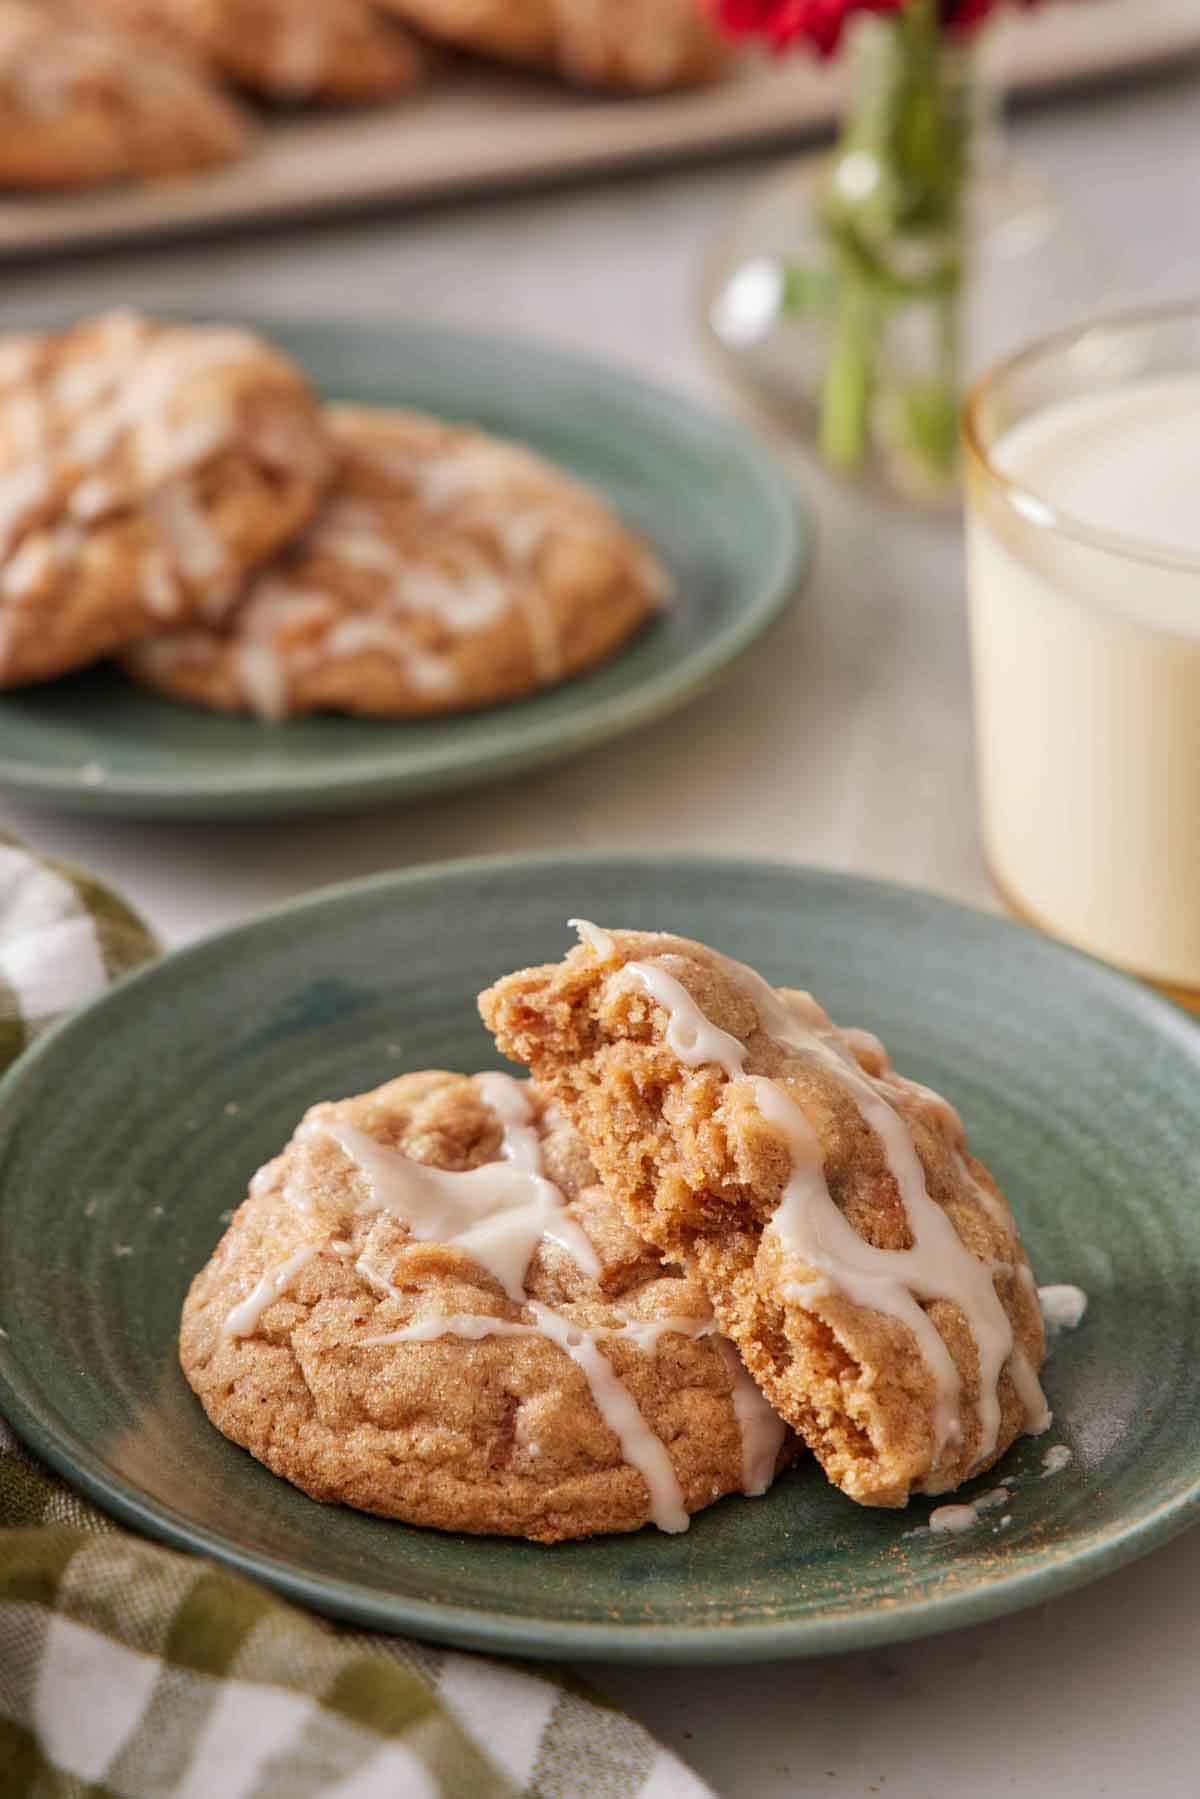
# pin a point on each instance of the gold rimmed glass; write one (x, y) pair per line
(1084, 597)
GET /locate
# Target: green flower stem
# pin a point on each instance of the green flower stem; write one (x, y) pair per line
(892, 212)
(846, 390)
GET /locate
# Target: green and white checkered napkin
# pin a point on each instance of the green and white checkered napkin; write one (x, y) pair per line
(131, 1672)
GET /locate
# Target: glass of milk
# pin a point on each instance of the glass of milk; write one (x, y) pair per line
(1083, 524)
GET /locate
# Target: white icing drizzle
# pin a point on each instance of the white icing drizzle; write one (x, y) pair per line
(1055, 1460)
(22, 491)
(191, 541)
(763, 1430)
(468, 598)
(619, 1410)
(506, 1097)
(264, 1179)
(646, 1333)
(92, 498)
(243, 1320)
(952, 1519)
(165, 366)
(27, 570)
(813, 1230)
(472, 1326)
(376, 1279)
(158, 586)
(938, 1265)
(498, 1213)
(462, 468)
(641, 1448)
(356, 543)
(1063, 1306)
(363, 635)
(262, 678)
(693, 1037)
(597, 940)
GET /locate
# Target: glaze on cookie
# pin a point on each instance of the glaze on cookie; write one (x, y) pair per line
(866, 1265)
(447, 570)
(426, 1308)
(288, 50)
(145, 469)
(77, 109)
(638, 45)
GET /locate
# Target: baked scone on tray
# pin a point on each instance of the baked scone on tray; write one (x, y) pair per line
(426, 1308)
(864, 1262)
(77, 109)
(447, 570)
(639, 45)
(286, 50)
(146, 468)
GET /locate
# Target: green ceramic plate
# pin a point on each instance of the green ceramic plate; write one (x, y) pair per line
(129, 1134)
(722, 516)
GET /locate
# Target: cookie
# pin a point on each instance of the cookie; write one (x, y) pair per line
(426, 1308)
(636, 45)
(145, 469)
(279, 49)
(866, 1265)
(77, 110)
(446, 570)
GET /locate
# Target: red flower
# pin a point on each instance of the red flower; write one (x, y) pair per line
(782, 22)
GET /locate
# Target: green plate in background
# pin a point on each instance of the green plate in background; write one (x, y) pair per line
(720, 513)
(129, 1133)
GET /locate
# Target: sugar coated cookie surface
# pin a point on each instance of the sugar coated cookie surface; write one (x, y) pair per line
(426, 1308)
(280, 49)
(145, 470)
(866, 1265)
(78, 110)
(641, 45)
(447, 570)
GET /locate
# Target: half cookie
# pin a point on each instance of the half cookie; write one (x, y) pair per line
(145, 470)
(866, 1265)
(426, 1308)
(447, 570)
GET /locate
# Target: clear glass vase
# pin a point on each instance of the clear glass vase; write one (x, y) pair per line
(854, 295)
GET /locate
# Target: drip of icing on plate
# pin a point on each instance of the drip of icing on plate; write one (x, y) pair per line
(813, 1229)
(1063, 1306)
(953, 1519)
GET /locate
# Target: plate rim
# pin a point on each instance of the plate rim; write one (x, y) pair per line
(840, 1631)
(556, 739)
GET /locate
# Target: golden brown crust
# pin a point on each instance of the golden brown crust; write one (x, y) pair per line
(78, 110)
(499, 1435)
(279, 49)
(699, 1172)
(636, 45)
(145, 470)
(447, 571)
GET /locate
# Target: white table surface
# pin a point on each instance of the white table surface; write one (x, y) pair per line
(843, 741)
